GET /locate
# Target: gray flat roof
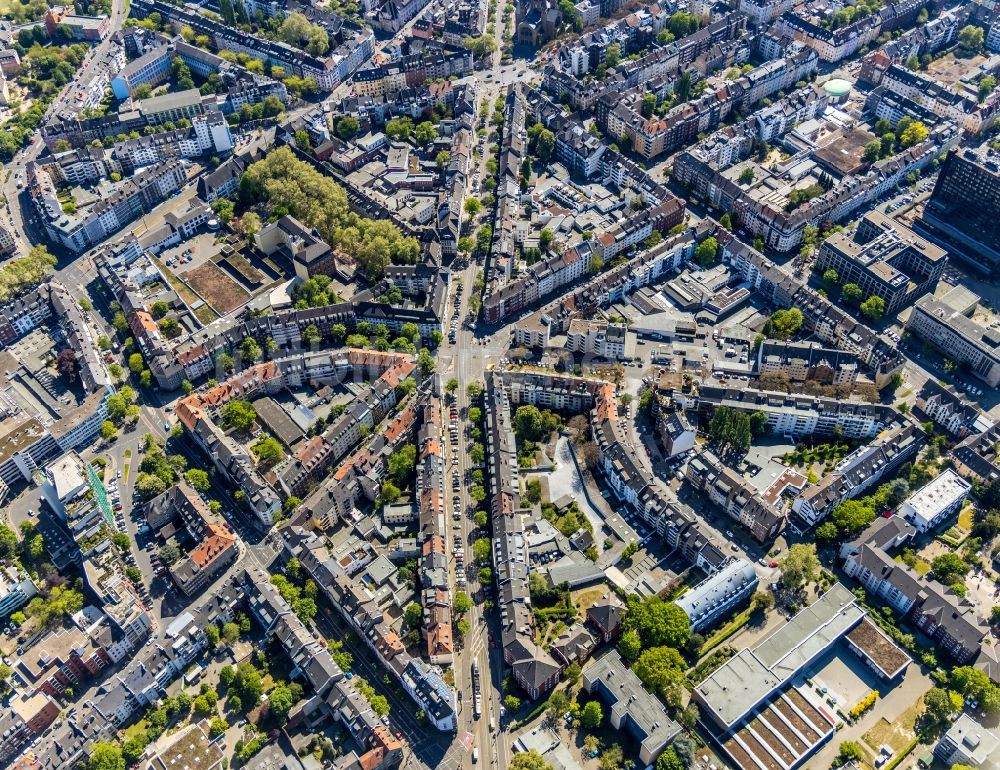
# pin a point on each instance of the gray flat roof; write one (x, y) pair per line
(746, 679)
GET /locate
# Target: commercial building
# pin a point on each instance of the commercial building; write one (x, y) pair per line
(960, 339)
(932, 504)
(965, 205)
(753, 699)
(885, 259)
(633, 709)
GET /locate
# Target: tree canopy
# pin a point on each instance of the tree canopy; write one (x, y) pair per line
(291, 186)
(800, 566)
(658, 622)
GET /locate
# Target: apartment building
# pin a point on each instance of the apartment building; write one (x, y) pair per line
(704, 168)
(24, 719)
(969, 743)
(934, 503)
(215, 546)
(861, 470)
(800, 415)
(718, 595)
(16, 588)
(829, 323)
(945, 617)
(948, 409)
(129, 199)
(151, 69)
(808, 361)
(959, 338)
(634, 710)
(599, 338)
(761, 513)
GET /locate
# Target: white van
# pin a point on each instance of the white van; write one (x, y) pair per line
(475, 756)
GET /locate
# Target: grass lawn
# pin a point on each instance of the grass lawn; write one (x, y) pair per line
(205, 314)
(584, 599)
(921, 566)
(178, 285)
(898, 734)
(965, 518)
(135, 729)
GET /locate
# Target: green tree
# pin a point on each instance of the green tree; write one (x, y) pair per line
(105, 756)
(238, 414)
(913, 134)
(482, 550)
(280, 700)
(658, 622)
(399, 129)
(873, 307)
(986, 86)
(784, 323)
(135, 363)
(591, 716)
(198, 479)
(347, 127)
(705, 253)
(247, 683)
(413, 615)
(218, 726)
(462, 602)
(402, 463)
(269, 452)
(851, 293)
(849, 751)
(852, 516)
(949, 567)
(250, 350)
(669, 760)
(613, 55)
(800, 566)
(971, 39)
(425, 133)
(527, 760)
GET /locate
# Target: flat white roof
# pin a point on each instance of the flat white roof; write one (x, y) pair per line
(67, 475)
(937, 495)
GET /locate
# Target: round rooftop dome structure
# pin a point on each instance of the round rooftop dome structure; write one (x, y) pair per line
(838, 88)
